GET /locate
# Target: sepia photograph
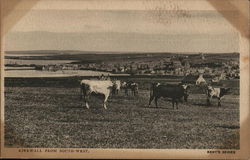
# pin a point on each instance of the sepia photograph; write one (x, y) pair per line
(91, 79)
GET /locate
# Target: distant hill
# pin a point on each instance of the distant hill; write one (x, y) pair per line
(97, 57)
(32, 52)
(120, 41)
(66, 52)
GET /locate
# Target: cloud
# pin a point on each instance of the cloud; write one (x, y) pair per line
(144, 29)
(113, 41)
(146, 22)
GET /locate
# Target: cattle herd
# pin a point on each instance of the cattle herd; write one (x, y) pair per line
(176, 92)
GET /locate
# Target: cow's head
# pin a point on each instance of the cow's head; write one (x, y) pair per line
(209, 88)
(185, 86)
(155, 84)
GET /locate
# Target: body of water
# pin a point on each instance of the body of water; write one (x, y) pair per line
(65, 73)
(36, 62)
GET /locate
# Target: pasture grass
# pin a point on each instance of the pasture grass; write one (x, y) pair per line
(55, 117)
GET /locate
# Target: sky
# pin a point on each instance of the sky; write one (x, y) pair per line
(123, 26)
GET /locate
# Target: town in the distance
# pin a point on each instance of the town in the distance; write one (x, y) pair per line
(220, 66)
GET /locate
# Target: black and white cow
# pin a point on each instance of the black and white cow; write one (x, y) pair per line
(132, 86)
(218, 93)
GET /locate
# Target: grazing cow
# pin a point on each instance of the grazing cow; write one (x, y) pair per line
(200, 80)
(116, 87)
(130, 86)
(176, 92)
(88, 87)
(134, 88)
(218, 93)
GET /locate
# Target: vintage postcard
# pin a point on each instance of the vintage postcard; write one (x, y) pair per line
(149, 79)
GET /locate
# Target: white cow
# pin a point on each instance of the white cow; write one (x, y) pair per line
(116, 86)
(118, 83)
(87, 87)
(200, 80)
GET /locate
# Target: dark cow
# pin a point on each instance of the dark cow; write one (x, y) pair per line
(218, 93)
(175, 92)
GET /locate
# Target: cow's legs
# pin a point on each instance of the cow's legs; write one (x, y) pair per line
(156, 98)
(126, 91)
(173, 102)
(219, 102)
(86, 98)
(106, 96)
(150, 100)
(176, 102)
(208, 101)
(135, 91)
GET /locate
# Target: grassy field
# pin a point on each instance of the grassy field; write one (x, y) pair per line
(55, 117)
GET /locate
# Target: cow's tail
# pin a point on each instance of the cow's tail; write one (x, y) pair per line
(152, 88)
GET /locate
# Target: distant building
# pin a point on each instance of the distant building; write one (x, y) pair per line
(177, 64)
(186, 65)
(201, 70)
